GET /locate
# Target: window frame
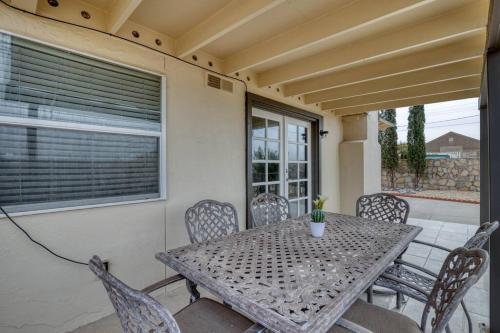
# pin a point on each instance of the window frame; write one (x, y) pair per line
(42, 123)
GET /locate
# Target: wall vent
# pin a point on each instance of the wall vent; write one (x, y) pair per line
(219, 83)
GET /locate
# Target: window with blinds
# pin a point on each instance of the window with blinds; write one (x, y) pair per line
(75, 131)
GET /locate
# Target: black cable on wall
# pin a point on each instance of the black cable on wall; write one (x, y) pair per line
(38, 243)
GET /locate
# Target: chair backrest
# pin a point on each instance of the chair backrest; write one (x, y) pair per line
(137, 311)
(477, 241)
(488, 227)
(269, 208)
(210, 219)
(383, 207)
(482, 235)
(460, 271)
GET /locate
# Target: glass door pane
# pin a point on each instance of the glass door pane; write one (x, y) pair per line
(297, 170)
(281, 159)
(267, 169)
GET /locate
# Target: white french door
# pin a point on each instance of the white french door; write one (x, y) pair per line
(281, 158)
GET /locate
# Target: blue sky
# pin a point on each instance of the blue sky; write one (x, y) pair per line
(442, 118)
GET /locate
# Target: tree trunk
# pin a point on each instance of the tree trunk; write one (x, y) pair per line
(392, 172)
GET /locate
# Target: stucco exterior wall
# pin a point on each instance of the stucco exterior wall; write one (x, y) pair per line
(360, 160)
(205, 154)
(352, 177)
(373, 156)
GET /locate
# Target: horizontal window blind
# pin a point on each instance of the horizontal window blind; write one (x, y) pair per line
(48, 162)
(39, 81)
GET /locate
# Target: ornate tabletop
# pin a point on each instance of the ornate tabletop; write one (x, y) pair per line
(288, 281)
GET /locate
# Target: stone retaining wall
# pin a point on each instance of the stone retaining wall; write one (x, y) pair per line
(441, 174)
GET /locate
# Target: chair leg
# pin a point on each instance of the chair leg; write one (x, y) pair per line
(399, 300)
(369, 294)
(467, 315)
(191, 287)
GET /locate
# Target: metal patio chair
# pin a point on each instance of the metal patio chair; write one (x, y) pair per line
(416, 282)
(209, 220)
(383, 207)
(388, 208)
(268, 208)
(139, 312)
(461, 269)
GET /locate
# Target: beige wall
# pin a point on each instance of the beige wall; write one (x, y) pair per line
(360, 160)
(330, 159)
(373, 156)
(355, 127)
(351, 174)
(205, 159)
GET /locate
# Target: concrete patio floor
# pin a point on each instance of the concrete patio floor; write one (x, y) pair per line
(446, 234)
(446, 211)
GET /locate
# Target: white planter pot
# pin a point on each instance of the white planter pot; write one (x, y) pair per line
(317, 229)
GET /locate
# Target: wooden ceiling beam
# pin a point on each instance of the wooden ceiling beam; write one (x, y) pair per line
(467, 68)
(27, 5)
(471, 47)
(119, 14)
(327, 27)
(436, 98)
(228, 18)
(405, 93)
(452, 24)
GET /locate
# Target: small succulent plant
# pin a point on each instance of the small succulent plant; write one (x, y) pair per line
(317, 214)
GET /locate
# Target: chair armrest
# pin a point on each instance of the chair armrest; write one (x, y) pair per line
(162, 283)
(404, 282)
(431, 245)
(350, 326)
(420, 268)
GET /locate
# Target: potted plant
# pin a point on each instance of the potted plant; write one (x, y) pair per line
(318, 217)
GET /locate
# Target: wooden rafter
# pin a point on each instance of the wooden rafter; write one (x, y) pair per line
(342, 21)
(468, 48)
(435, 98)
(408, 92)
(230, 17)
(461, 69)
(119, 13)
(454, 24)
(27, 5)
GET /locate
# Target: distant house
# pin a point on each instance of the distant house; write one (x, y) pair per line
(455, 145)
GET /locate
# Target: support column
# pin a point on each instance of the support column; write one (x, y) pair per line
(493, 120)
(484, 166)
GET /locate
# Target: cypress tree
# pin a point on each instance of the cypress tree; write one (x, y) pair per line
(381, 114)
(416, 142)
(389, 146)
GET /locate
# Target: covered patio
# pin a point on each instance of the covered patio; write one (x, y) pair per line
(442, 233)
(118, 116)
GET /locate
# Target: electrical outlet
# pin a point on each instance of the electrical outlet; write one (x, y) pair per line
(483, 328)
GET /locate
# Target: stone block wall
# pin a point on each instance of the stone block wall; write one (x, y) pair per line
(441, 174)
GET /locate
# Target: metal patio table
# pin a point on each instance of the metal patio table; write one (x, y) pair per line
(288, 281)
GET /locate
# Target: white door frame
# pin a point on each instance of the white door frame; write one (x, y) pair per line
(284, 121)
(306, 124)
